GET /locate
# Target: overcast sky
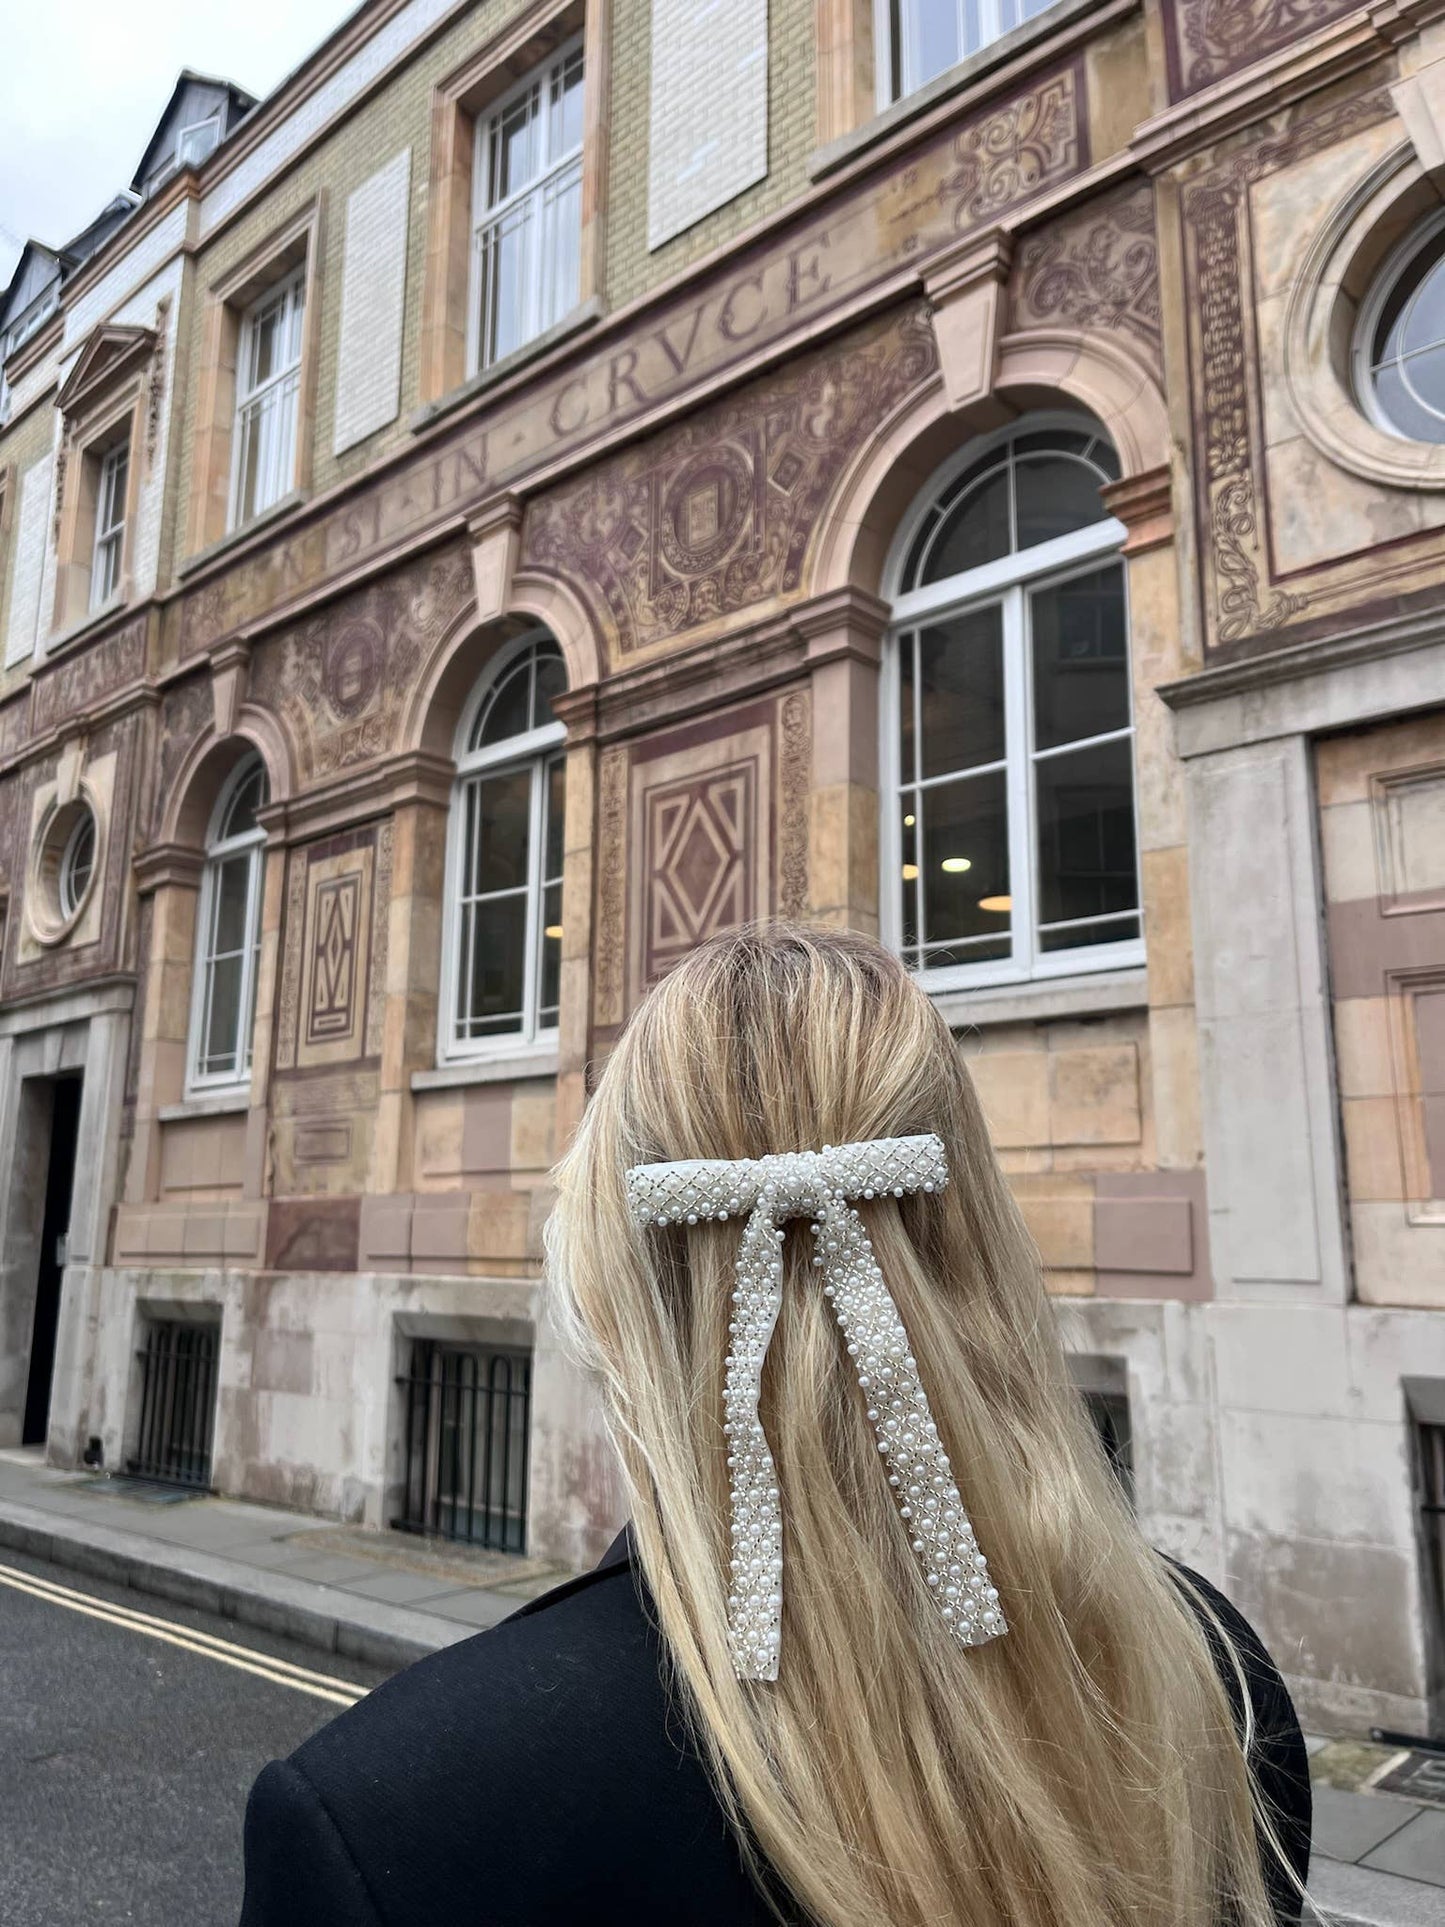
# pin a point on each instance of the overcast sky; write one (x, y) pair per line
(83, 83)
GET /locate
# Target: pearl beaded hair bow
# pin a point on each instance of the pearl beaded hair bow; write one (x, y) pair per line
(818, 1185)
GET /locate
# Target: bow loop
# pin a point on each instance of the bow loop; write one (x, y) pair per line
(820, 1185)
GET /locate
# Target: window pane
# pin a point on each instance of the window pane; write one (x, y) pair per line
(551, 681)
(907, 646)
(1080, 658)
(1405, 321)
(508, 712)
(268, 342)
(961, 663)
(931, 37)
(556, 818)
(909, 867)
(503, 807)
(506, 260)
(232, 889)
(223, 1029)
(561, 246)
(1056, 495)
(965, 866)
(1405, 412)
(246, 799)
(490, 994)
(566, 106)
(975, 531)
(1087, 864)
(551, 953)
(514, 147)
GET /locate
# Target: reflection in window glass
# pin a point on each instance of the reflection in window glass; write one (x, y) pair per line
(507, 830)
(229, 932)
(1015, 805)
(1404, 369)
(927, 37)
(528, 202)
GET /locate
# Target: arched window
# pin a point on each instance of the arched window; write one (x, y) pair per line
(228, 932)
(503, 954)
(1009, 836)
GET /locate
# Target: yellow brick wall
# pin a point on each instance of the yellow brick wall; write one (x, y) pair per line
(24, 441)
(631, 269)
(399, 115)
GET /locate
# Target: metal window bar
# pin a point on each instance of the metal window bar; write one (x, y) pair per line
(1430, 1470)
(178, 1403)
(468, 1423)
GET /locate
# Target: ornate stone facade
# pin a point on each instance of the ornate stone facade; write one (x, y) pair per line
(1226, 1146)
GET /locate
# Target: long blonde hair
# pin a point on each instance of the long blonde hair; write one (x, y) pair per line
(1084, 1771)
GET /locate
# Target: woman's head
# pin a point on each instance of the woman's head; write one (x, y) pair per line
(1083, 1768)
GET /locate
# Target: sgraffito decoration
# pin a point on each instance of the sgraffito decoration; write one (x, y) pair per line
(1096, 267)
(958, 180)
(715, 812)
(1241, 602)
(338, 681)
(1206, 40)
(715, 515)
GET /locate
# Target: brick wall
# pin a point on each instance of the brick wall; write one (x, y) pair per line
(709, 114)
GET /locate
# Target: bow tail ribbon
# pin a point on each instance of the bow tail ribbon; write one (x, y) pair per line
(819, 1186)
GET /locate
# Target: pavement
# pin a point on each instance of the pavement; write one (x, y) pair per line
(384, 1599)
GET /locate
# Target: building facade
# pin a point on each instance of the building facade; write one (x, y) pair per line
(560, 477)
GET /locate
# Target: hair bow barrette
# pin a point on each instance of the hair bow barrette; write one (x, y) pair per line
(820, 1186)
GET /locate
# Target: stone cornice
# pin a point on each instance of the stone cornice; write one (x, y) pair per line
(414, 777)
(165, 865)
(1255, 92)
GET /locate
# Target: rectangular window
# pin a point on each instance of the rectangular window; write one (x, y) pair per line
(1016, 806)
(105, 566)
(467, 1425)
(230, 954)
(510, 902)
(526, 242)
(921, 39)
(268, 388)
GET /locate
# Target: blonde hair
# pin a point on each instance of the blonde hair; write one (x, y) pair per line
(1084, 1771)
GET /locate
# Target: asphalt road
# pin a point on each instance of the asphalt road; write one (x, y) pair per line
(125, 1758)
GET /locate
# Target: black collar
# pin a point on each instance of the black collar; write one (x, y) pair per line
(620, 1552)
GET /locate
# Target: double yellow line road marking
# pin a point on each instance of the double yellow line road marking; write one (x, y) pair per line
(280, 1672)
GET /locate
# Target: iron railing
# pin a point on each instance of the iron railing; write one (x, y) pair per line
(468, 1420)
(1110, 1413)
(178, 1403)
(1430, 1498)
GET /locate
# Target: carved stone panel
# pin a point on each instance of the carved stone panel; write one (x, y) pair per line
(1095, 267)
(339, 680)
(1206, 40)
(333, 910)
(702, 826)
(715, 515)
(1248, 604)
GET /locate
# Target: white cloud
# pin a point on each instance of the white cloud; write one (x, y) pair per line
(83, 83)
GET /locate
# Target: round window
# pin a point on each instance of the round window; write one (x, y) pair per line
(63, 870)
(77, 862)
(1401, 348)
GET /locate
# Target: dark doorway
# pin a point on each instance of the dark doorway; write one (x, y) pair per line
(59, 1181)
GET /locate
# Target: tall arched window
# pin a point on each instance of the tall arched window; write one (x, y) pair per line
(1009, 836)
(503, 954)
(228, 932)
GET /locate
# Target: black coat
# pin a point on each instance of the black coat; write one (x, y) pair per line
(535, 1776)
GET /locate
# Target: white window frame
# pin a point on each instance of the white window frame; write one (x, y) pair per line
(991, 29)
(537, 748)
(1006, 582)
(194, 127)
(1387, 278)
(543, 308)
(218, 850)
(291, 293)
(108, 549)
